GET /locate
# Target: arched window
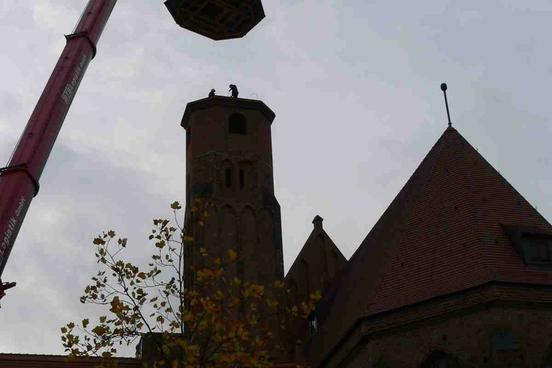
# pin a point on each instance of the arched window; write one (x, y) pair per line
(237, 124)
(228, 177)
(227, 174)
(247, 175)
(228, 236)
(247, 244)
(439, 359)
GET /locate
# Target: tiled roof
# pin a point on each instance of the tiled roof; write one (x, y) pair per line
(441, 234)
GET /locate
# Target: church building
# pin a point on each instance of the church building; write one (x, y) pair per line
(457, 272)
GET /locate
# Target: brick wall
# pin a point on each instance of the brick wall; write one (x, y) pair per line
(498, 326)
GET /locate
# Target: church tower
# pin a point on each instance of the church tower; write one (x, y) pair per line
(229, 164)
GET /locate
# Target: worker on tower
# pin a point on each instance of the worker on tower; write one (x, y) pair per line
(234, 90)
(212, 93)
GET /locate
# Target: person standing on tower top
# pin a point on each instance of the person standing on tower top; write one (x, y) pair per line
(234, 90)
(212, 93)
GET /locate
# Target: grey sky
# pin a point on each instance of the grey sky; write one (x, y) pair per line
(355, 88)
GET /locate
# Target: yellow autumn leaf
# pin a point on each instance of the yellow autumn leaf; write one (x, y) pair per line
(99, 330)
(98, 241)
(232, 255)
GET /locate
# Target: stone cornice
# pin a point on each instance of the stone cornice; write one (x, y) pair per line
(238, 103)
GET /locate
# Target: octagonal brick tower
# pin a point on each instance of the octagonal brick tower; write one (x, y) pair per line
(229, 163)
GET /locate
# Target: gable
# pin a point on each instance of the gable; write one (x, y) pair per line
(316, 265)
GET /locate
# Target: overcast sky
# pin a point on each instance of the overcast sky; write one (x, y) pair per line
(355, 88)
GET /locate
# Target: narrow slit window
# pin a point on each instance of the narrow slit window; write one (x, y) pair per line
(242, 179)
(228, 177)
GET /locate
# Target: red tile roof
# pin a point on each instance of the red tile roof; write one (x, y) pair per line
(441, 234)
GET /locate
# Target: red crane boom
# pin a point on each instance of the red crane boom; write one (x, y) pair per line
(19, 180)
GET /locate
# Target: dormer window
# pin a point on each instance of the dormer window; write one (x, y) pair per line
(537, 249)
(534, 247)
(237, 124)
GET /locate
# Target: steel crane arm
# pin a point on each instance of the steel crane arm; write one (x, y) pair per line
(19, 179)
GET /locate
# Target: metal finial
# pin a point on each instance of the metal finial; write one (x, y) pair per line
(444, 89)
